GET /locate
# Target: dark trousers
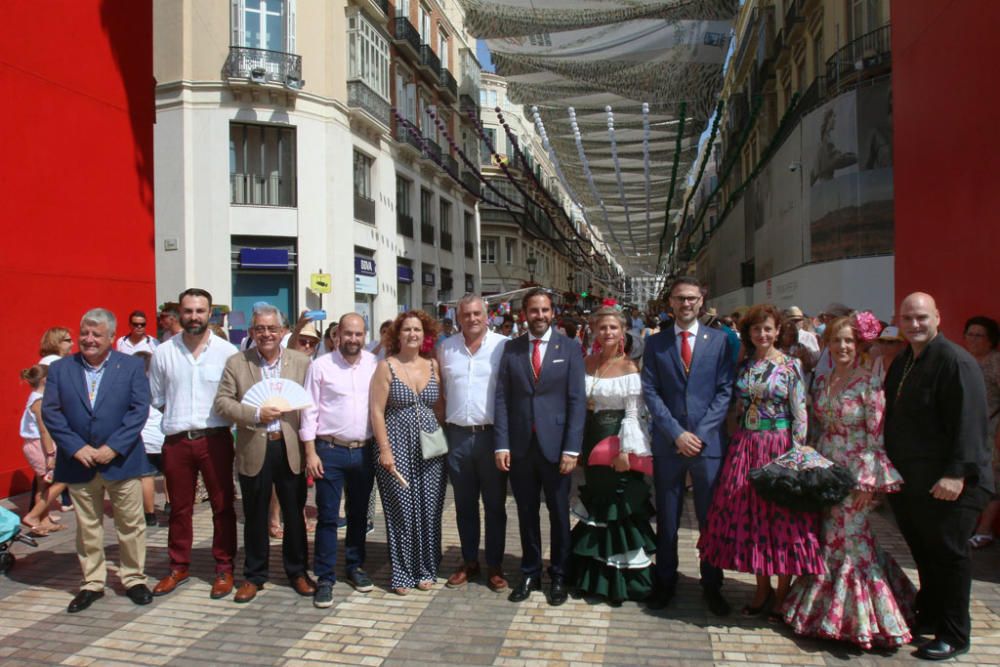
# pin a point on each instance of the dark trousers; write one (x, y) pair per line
(937, 533)
(350, 471)
(182, 460)
(291, 491)
(473, 472)
(531, 476)
(669, 473)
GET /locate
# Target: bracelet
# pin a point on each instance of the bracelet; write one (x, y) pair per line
(50, 455)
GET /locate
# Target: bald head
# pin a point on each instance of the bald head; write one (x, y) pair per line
(351, 335)
(919, 320)
(351, 317)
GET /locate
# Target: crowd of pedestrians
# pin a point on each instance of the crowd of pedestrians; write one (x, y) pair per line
(649, 405)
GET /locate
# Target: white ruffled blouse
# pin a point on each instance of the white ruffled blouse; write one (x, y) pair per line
(622, 393)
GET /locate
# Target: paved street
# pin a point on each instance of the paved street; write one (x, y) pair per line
(469, 627)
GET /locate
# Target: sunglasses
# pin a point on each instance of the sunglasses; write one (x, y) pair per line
(138, 325)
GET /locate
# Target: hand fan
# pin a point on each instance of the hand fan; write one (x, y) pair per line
(286, 395)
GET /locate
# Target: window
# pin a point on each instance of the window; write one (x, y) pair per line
(262, 24)
(485, 152)
(427, 125)
(367, 55)
(444, 210)
(488, 254)
(469, 233)
(863, 17)
(403, 195)
(443, 47)
(262, 165)
(426, 202)
(363, 174)
(424, 19)
(482, 97)
(509, 255)
(403, 8)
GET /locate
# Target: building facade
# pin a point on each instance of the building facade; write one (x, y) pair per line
(802, 211)
(296, 138)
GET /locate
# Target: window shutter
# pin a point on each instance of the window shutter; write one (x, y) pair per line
(290, 25)
(236, 21)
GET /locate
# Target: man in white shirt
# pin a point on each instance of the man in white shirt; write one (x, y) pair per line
(136, 340)
(469, 366)
(183, 382)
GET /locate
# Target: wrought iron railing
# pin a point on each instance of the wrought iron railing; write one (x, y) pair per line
(870, 51)
(404, 225)
(264, 66)
(429, 59)
(450, 165)
(471, 180)
(449, 84)
(405, 134)
(359, 95)
(467, 103)
(432, 150)
(427, 233)
(383, 5)
(364, 208)
(470, 249)
(446, 241)
(407, 35)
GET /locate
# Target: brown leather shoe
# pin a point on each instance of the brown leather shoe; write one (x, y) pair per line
(462, 575)
(222, 585)
(246, 592)
(496, 580)
(168, 583)
(303, 585)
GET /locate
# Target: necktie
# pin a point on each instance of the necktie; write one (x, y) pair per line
(536, 358)
(686, 351)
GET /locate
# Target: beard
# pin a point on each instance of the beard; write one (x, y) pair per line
(350, 349)
(194, 327)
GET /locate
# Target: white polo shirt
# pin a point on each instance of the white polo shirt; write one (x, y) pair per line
(470, 380)
(184, 387)
(126, 346)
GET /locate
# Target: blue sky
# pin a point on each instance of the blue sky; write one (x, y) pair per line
(483, 54)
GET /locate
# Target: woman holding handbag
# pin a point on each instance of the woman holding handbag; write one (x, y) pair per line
(613, 539)
(863, 597)
(746, 533)
(406, 409)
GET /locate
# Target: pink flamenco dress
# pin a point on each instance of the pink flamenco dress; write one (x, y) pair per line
(746, 533)
(864, 597)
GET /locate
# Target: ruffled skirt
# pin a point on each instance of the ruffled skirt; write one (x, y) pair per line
(746, 533)
(613, 538)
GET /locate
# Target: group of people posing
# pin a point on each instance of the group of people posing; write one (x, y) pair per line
(524, 412)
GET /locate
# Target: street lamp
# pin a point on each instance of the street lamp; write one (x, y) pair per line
(532, 262)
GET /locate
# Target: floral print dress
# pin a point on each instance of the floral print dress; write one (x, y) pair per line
(863, 597)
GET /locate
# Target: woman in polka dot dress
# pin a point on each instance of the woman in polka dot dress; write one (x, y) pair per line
(405, 399)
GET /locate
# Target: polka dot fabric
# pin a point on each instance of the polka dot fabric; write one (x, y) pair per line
(413, 515)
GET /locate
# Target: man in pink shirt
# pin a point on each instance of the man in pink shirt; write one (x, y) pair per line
(337, 435)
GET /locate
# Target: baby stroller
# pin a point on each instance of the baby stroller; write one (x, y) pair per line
(10, 532)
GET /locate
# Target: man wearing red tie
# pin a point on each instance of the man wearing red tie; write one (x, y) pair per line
(539, 415)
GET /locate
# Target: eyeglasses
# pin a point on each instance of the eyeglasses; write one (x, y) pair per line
(137, 325)
(309, 342)
(263, 330)
(685, 299)
(67, 340)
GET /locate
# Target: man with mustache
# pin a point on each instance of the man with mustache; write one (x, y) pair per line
(184, 379)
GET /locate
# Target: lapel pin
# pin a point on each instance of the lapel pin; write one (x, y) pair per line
(704, 336)
(557, 346)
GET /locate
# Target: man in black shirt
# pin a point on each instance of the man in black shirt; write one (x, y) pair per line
(935, 435)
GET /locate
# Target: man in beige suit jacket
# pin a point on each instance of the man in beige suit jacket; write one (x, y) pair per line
(268, 454)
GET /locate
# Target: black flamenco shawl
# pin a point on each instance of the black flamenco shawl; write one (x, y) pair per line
(803, 480)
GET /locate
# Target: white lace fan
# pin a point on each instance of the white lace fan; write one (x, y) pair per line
(286, 395)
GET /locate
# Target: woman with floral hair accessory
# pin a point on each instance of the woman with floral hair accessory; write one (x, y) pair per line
(868, 328)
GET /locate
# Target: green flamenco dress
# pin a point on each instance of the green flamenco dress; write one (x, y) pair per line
(613, 539)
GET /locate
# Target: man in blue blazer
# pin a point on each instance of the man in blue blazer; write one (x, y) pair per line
(95, 405)
(541, 407)
(687, 381)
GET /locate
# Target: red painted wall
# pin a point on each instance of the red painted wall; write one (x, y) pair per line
(77, 173)
(947, 155)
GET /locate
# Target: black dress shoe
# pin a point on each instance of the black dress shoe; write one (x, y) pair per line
(557, 592)
(939, 649)
(660, 598)
(716, 603)
(523, 589)
(139, 594)
(83, 600)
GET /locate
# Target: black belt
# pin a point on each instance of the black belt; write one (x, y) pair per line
(475, 428)
(197, 434)
(275, 435)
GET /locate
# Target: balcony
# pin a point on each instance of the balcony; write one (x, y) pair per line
(470, 250)
(471, 180)
(364, 208)
(405, 134)
(427, 233)
(260, 66)
(467, 103)
(257, 190)
(430, 64)
(360, 96)
(793, 16)
(446, 241)
(404, 225)
(431, 150)
(866, 57)
(449, 86)
(406, 38)
(450, 165)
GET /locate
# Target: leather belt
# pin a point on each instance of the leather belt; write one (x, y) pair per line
(475, 428)
(275, 435)
(346, 444)
(197, 434)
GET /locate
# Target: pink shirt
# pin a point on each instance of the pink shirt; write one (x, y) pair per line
(339, 392)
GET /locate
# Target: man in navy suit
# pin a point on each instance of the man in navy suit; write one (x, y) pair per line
(538, 429)
(687, 381)
(95, 405)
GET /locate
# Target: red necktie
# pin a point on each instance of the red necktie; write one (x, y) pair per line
(536, 358)
(686, 351)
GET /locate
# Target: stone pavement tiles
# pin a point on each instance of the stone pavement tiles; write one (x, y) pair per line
(471, 626)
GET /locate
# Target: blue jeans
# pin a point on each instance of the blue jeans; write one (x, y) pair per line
(344, 470)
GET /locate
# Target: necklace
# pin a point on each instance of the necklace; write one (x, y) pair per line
(756, 387)
(906, 371)
(591, 404)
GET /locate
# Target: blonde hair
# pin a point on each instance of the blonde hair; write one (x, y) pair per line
(608, 311)
(51, 340)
